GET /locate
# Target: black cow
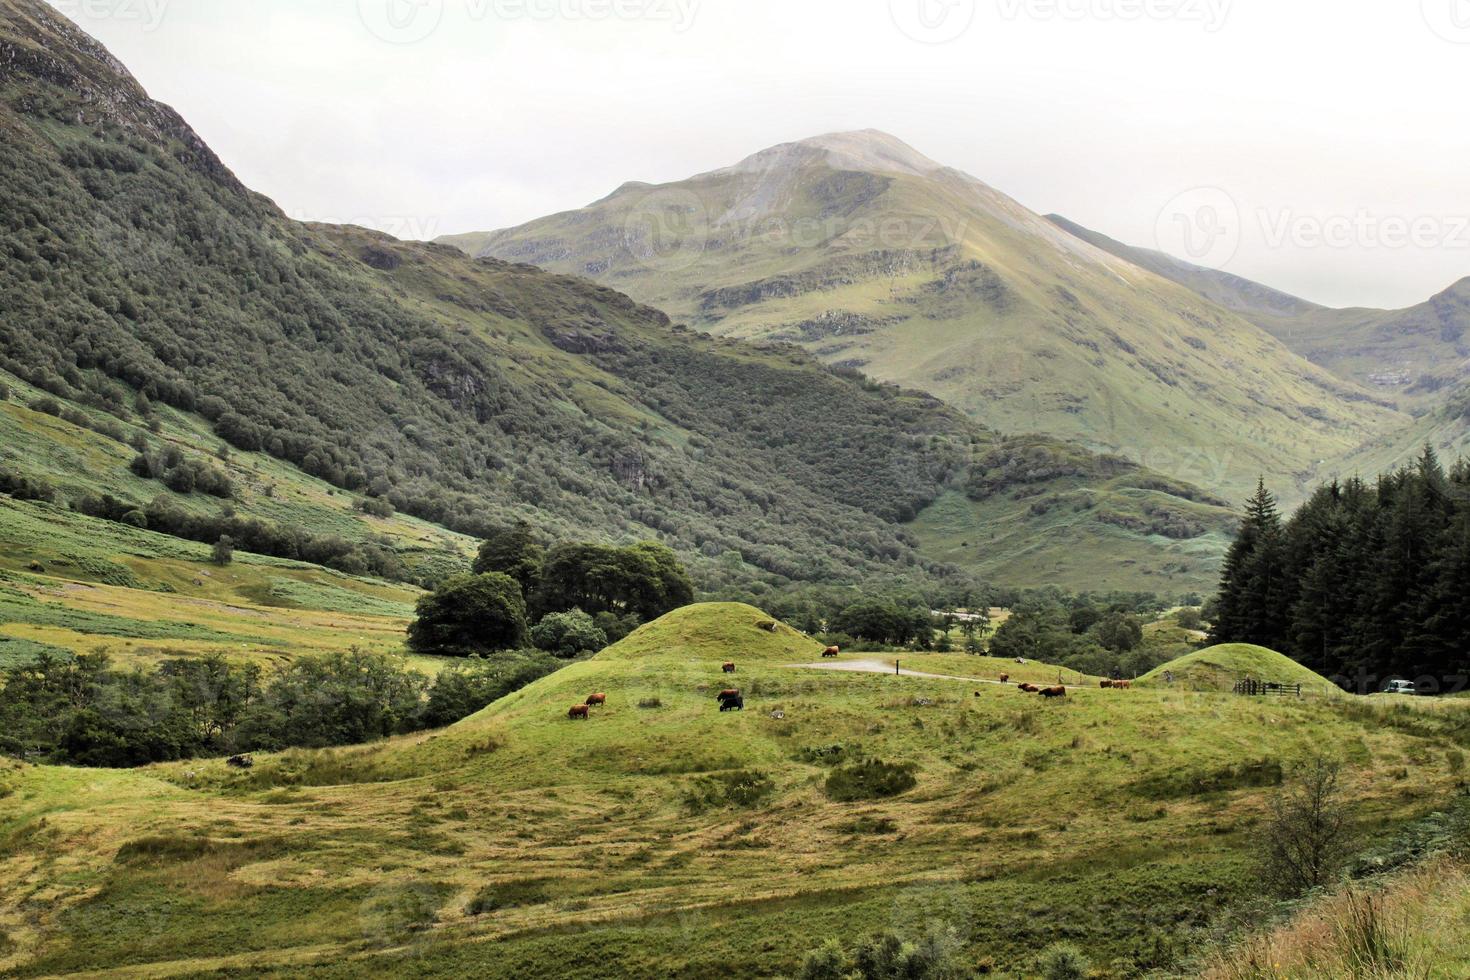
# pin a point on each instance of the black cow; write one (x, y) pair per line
(737, 703)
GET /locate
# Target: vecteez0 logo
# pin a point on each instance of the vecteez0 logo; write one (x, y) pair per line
(933, 21)
(1450, 19)
(401, 21)
(1202, 225)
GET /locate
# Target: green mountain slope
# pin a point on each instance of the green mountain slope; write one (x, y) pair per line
(869, 254)
(154, 300)
(1416, 359)
(1408, 356)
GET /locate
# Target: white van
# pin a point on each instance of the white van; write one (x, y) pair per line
(1400, 687)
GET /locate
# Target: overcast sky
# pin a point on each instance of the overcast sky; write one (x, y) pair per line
(1319, 146)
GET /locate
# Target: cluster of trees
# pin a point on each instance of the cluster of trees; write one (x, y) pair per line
(162, 514)
(1099, 639)
(23, 487)
(182, 474)
(580, 596)
(86, 712)
(1364, 583)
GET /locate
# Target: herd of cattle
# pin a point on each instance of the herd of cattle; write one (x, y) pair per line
(731, 699)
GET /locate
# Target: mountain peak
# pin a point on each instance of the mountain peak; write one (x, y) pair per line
(867, 150)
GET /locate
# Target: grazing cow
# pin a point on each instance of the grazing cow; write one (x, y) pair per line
(1054, 692)
(1029, 688)
(579, 711)
(1123, 685)
(737, 703)
(1005, 678)
(727, 693)
(831, 651)
(240, 762)
(1105, 684)
(596, 699)
(729, 667)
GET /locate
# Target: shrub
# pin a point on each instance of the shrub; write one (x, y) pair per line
(870, 779)
(568, 634)
(744, 788)
(1063, 961)
(1307, 831)
(508, 895)
(939, 955)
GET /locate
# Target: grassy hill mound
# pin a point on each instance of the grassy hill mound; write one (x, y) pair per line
(1220, 667)
(723, 630)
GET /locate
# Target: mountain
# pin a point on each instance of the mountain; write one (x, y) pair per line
(156, 309)
(1235, 293)
(1417, 359)
(1408, 356)
(871, 255)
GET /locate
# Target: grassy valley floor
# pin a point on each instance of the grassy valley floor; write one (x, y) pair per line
(664, 837)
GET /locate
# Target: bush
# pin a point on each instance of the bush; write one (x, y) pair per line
(508, 895)
(744, 788)
(1063, 961)
(568, 634)
(870, 779)
(939, 955)
(1307, 831)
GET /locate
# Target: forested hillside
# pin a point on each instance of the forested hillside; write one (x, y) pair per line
(1366, 582)
(146, 292)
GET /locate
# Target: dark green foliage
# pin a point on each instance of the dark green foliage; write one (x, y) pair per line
(1254, 598)
(568, 634)
(23, 487)
(248, 534)
(1365, 583)
(939, 955)
(512, 551)
(84, 712)
(224, 550)
(508, 895)
(645, 580)
(743, 788)
(181, 474)
(337, 699)
(470, 614)
(1118, 632)
(463, 689)
(1306, 835)
(870, 779)
(885, 621)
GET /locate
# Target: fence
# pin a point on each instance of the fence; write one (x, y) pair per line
(1258, 689)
